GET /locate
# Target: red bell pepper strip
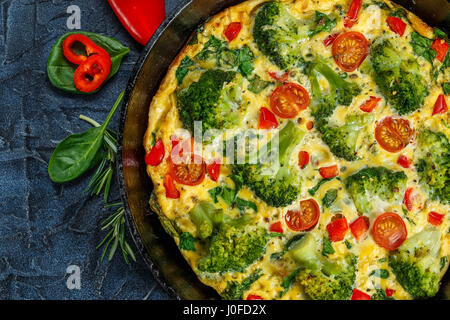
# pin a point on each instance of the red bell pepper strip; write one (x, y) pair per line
(397, 25)
(359, 295)
(171, 189)
(370, 104)
(352, 14)
(254, 297)
(440, 106)
(276, 227)
(91, 74)
(441, 48)
(359, 227)
(156, 155)
(232, 31)
(329, 172)
(141, 18)
(279, 76)
(213, 170)
(337, 229)
(435, 218)
(89, 45)
(330, 39)
(303, 159)
(403, 161)
(267, 119)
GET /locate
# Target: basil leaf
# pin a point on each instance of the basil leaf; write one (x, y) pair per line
(327, 247)
(381, 273)
(422, 47)
(60, 71)
(76, 154)
(183, 69)
(329, 198)
(187, 241)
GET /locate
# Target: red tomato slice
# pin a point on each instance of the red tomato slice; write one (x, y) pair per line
(397, 25)
(279, 76)
(190, 172)
(370, 104)
(435, 218)
(440, 106)
(276, 227)
(304, 219)
(337, 229)
(232, 31)
(267, 119)
(330, 39)
(254, 297)
(329, 172)
(303, 159)
(403, 161)
(288, 100)
(213, 170)
(349, 50)
(169, 185)
(359, 295)
(352, 14)
(359, 227)
(156, 155)
(389, 292)
(393, 134)
(389, 231)
(441, 48)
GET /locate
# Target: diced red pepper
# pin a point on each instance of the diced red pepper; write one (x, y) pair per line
(329, 172)
(279, 76)
(441, 48)
(352, 14)
(370, 104)
(171, 189)
(403, 161)
(435, 218)
(303, 159)
(254, 297)
(156, 155)
(276, 227)
(213, 170)
(359, 227)
(91, 74)
(397, 25)
(267, 119)
(330, 39)
(440, 106)
(359, 295)
(232, 31)
(337, 229)
(389, 292)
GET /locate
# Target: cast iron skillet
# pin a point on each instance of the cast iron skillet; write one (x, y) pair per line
(156, 247)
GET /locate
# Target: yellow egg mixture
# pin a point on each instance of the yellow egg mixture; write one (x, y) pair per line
(164, 119)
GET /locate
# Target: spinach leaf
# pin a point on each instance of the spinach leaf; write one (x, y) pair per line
(329, 197)
(211, 49)
(187, 241)
(183, 69)
(323, 23)
(257, 84)
(422, 47)
(287, 281)
(327, 247)
(78, 152)
(443, 262)
(446, 87)
(60, 71)
(381, 273)
(313, 190)
(246, 58)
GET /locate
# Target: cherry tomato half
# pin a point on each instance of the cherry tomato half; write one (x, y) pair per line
(267, 119)
(389, 231)
(440, 106)
(393, 134)
(156, 154)
(232, 31)
(349, 50)
(288, 100)
(190, 172)
(397, 25)
(435, 218)
(304, 219)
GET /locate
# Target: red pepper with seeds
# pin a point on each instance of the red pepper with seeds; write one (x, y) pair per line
(91, 74)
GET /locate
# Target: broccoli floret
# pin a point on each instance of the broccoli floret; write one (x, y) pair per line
(277, 186)
(369, 182)
(433, 165)
(322, 278)
(234, 247)
(398, 77)
(278, 34)
(206, 216)
(215, 100)
(416, 264)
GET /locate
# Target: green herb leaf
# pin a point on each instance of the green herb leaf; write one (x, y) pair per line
(329, 198)
(287, 281)
(443, 262)
(235, 290)
(187, 241)
(348, 244)
(60, 71)
(446, 88)
(313, 190)
(327, 247)
(242, 204)
(381, 273)
(183, 69)
(257, 84)
(381, 295)
(422, 47)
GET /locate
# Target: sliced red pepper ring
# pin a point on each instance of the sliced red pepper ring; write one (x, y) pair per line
(267, 119)
(89, 45)
(91, 74)
(276, 227)
(337, 229)
(171, 189)
(397, 25)
(232, 31)
(359, 227)
(440, 106)
(359, 295)
(213, 170)
(156, 154)
(441, 48)
(435, 218)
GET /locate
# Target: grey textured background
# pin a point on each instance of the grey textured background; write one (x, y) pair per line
(45, 227)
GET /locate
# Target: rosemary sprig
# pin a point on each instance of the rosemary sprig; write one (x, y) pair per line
(116, 235)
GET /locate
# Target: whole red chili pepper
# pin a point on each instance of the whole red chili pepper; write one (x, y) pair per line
(89, 45)
(90, 75)
(141, 18)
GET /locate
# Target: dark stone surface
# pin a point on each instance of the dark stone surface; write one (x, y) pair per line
(45, 227)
